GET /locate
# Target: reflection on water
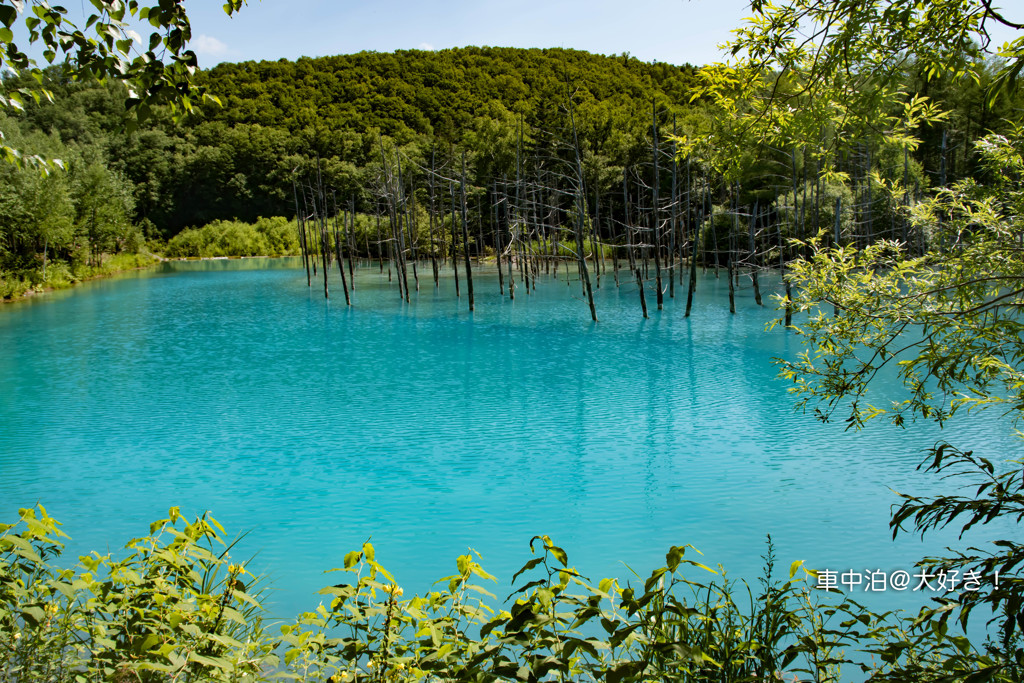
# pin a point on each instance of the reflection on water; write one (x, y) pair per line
(229, 386)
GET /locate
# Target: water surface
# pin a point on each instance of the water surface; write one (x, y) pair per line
(231, 387)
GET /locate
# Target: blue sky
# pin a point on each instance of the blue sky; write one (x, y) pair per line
(674, 31)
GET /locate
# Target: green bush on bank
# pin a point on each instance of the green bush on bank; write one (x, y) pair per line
(15, 284)
(175, 608)
(266, 237)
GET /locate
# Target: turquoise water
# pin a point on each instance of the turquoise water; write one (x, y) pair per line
(230, 386)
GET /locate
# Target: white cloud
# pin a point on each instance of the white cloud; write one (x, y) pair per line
(426, 46)
(208, 48)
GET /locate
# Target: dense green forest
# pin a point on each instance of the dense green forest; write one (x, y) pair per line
(514, 112)
(347, 119)
(238, 161)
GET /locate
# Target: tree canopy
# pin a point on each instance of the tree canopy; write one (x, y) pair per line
(157, 71)
(944, 314)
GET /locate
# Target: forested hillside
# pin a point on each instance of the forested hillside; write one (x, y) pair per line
(236, 161)
(444, 94)
(349, 118)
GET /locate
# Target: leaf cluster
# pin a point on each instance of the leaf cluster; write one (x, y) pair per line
(175, 608)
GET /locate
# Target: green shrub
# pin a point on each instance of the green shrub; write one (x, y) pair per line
(267, 237)
(175, 608)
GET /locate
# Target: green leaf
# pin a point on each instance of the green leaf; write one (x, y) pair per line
(352, 559)
(527, 567)
(673, 557)
(795, 567)
(22, 548)
(34, 615)
(8, 15)
(214, 662)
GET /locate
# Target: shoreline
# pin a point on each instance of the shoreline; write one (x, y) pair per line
(40, 290)
(36, 291)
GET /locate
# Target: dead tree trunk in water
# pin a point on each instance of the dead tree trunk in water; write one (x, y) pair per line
(433, 218)
(753, 257)
(595, 228)
(454, 253)
(634, 263)
(838, 229)
(300, 223)
(380, 248)
(640, 288)
(394, 218)
(629, 232)
(674, 224)
(403, 226)
(322, 216)
(656, 233)
(497, 239)
(465, 236)
(337, 249)
(581, 204)
(731, 266)
(732, 285)
(350, 240)
(698, 236)
(311, 236)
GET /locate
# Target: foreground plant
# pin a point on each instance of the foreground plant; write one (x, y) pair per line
(175, 608)
(948, 325)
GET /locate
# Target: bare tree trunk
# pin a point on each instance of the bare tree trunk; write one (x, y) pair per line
(465, 236)
(394, 218)
(337, 248)
(594, 228)
(455, 262)
(697, 237)
(615, 251)
(433, 218)
(674, 224)
(731, 269)
(732, 285)
(753, 257)
(655, 231)
(350, 240)
(321, 212)
(640, 288)
(498, 247)
(629, 233)
(581, 200)
(403, 218)
(301, 225)
(693, 265)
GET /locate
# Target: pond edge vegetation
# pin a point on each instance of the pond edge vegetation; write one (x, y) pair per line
(176, 607)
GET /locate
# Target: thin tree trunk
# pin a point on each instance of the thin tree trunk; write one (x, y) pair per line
(465, 236)
(433, 219)
(581, 199)
(337, 248)
(753, 257)
(732, 286)
(301, 225)
(656, 232)
(675, 220)
(455, 261)
(693, 262)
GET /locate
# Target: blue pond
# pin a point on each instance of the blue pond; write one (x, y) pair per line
(231, 387)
